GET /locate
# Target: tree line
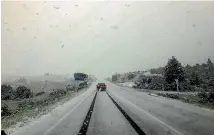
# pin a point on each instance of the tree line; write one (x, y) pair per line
(173, 77)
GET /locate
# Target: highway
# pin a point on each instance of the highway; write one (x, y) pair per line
(135, 113)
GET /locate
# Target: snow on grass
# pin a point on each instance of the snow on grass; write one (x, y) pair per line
(23, 120)
(127, 84)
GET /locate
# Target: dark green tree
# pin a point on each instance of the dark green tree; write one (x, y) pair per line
(174, 72)
(194, 79)
(114, 78)
(149, 80)
(23, 92)
(209, 62)
(159, 70)
(6, 92)
(210, 66)
(131, 76)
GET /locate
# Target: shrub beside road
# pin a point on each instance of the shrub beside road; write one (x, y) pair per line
(21, 105)
(173, 77)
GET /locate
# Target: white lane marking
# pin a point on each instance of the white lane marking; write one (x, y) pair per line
(68, 113)
(170, 127)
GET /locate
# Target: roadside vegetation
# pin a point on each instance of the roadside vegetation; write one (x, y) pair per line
(21, 104)
(198, 79)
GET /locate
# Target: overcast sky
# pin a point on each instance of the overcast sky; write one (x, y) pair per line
(102, 38)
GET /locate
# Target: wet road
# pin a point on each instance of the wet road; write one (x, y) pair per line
(107, 119)
(154, 115)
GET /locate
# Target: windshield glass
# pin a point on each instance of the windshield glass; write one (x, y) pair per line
(107, 67)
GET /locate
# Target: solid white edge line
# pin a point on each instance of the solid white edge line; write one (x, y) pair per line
(68, 113)
(170, 127)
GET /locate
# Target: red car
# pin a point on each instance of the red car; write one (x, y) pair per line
(101, 86)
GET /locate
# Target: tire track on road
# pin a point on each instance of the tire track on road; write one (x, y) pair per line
(87, 119)
(130, 120)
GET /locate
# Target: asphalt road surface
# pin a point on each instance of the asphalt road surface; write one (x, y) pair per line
(138, 111)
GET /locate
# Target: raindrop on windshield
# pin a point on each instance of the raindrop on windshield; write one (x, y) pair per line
(56, 7)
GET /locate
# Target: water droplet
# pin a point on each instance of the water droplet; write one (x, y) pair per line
(56, 7)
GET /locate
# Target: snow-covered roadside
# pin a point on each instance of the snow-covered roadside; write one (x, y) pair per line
(131, 84)
(51, 113)
(187, 97)
(126, 84)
